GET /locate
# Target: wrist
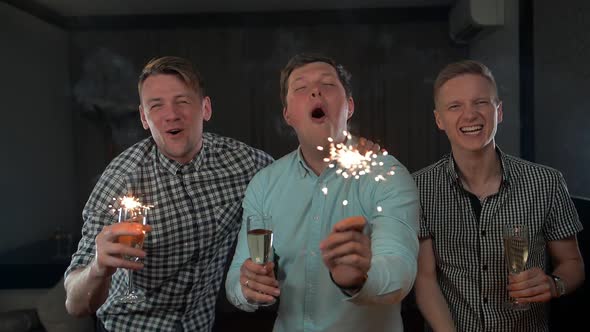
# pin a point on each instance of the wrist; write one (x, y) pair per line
(558, 285)
(98, 272)
(352, 289)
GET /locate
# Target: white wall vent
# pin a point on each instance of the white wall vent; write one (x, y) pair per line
(469, 19)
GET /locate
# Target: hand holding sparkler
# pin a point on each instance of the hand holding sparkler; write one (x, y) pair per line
(114, 242)
(110, 252)
(347, 253)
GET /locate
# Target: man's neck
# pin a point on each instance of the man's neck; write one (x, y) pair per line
(314, 158)
(480, 172)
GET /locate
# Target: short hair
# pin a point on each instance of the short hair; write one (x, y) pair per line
(301, 60)
(462, 68)
(172, 65)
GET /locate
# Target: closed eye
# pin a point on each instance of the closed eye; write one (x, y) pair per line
(155, 106)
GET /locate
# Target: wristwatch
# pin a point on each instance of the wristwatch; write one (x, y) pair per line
(559, 285)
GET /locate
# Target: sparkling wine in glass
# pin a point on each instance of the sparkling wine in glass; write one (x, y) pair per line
(260, 242)
(134, 218)
(516, 251)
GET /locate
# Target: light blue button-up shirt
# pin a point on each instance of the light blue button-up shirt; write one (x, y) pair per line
(304, 207)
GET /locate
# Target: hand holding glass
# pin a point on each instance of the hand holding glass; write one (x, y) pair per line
(260, 242)
(516, 251)
(133, 219)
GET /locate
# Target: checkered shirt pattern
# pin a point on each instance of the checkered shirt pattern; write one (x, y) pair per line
(196, 215)
(471, 268)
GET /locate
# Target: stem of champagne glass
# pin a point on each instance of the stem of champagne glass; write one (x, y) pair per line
(130, 289)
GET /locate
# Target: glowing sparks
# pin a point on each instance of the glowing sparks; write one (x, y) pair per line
(325, 190)
(130, 203)
(345, 202)
(379, 209)
(351, 162)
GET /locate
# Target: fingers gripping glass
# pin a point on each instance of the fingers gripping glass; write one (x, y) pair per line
(516, 251)
(133, 219)
(260, 238)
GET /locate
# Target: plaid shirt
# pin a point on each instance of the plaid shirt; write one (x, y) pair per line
(470, 264)
(196, 215)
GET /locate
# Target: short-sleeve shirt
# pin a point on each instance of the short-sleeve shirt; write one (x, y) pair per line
(470, 264)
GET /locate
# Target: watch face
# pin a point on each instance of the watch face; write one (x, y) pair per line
(559, 286)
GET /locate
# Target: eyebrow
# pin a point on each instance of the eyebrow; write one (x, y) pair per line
(323, 74)
(151, 100)
(158, 99)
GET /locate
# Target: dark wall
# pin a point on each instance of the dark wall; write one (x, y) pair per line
(562, 83)
(393, 56)
(38, 173)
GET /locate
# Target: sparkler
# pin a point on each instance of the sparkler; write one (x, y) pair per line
(353, 164)
(130, 203)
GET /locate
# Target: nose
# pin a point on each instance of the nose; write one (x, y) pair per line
(470, 112)
(171, 113)
(316, 93)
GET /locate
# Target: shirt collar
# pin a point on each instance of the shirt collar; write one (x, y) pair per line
(302, 168)
(176, 168)
(452, 170)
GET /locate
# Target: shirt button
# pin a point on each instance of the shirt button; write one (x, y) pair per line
(485, 300)
(316, 218)
(485, 267)
(483, 233)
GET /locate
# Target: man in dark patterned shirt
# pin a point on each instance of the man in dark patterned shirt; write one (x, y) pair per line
(463, 281)
(195, 182)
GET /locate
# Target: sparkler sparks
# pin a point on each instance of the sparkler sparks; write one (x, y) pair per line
(351, 162)
(130, 202)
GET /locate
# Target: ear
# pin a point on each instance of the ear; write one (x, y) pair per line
(207, 110)
(500, 112)
(143, 118)
(438, 120)
(350, 108)
(286, 116)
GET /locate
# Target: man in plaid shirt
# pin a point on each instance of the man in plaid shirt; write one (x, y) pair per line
(467, 197)
(195, 182)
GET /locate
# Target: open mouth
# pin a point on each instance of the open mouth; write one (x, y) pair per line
(318, 113)
(174, 132)
(471, 130)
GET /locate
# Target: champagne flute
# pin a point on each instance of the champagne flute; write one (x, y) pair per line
(134, 218)
(260, 242)
(516, 251)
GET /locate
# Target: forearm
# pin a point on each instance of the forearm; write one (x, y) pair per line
(86, 290)
(389, 280)
(571, 272)
(234, 294)
(433, 305)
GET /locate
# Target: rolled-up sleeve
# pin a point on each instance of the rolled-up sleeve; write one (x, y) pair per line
(394, 239)
(252, 205)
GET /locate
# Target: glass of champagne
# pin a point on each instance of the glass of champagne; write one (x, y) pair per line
(516, 251)
(260, 237)
(134, 218)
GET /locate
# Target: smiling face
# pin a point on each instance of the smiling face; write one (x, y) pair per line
(174, 114)
(468, 110)
(316, 104)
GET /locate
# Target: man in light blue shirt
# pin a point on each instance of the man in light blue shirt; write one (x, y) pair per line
(346, 248)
